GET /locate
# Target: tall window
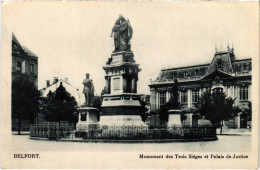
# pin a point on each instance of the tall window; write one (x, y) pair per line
(19, 66)
(195, 96)
(116, 84)
(32, 68)
(197, 72)
(162, 98)
(185, 73)
(243, 91)
(175, 74)
(184, 96)
(219, 63)
(244, 66)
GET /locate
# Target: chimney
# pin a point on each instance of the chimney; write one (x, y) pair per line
(66, 79)
(47, 83)
(55, 79)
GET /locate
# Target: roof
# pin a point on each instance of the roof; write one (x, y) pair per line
(224, 60)
(19, 48)
(182, 67)
(60, 80)
(224, 63)
(29, 52)
(15, 39)
(69, 88)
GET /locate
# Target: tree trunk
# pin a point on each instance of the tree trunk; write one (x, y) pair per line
(19, 126)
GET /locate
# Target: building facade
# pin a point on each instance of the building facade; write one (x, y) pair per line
(73, 91)
(24, 62)
(224, 73)
(24, 66)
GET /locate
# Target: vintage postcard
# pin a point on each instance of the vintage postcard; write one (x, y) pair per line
(130, 85)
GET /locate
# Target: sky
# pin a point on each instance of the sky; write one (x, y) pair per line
(73, 38)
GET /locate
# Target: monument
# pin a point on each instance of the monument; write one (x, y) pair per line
(121, 105)
(174, 111)
(88, 90)
(87, 113)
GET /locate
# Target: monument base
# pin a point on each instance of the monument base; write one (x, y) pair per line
(86, 127)
(87, 119)
(121, 110)
(121, 120)
(174, 118)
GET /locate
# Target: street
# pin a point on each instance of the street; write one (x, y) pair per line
(225, 143)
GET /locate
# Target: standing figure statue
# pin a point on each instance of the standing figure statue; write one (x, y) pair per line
(88, 90)
(174, 101)
(123, 32)
(115, 30)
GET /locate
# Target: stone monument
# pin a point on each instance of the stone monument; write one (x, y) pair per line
(120, 105)
(88, 90)
(87, 113)
(174, 111)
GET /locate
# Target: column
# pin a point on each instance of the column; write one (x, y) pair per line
(249, 93)
(236, 96)
(190, 118)
(167, 96)
(88, 117)
(226, 90)
(79, 116)
(153, 99)
(238, 121)
(124, 84)
(189, 98)
(133, 85)
(108, 84)
(233, 92)
(157, 100)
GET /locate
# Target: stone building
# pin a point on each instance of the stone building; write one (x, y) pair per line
(24, 62)
(224, 73)
(24, 65)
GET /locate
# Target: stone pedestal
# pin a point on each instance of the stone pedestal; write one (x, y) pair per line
(174, 118)
(121, 106)
(87, 119)
(123, 109)
(121, 120)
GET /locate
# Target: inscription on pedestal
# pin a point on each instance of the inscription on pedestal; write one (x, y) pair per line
(117, 58)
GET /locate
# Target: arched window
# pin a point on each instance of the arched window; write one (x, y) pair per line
(218, 90)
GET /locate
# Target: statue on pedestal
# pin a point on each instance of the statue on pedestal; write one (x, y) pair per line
(88, 90)
(123, 32)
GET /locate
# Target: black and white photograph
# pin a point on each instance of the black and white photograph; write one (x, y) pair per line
(140, 85)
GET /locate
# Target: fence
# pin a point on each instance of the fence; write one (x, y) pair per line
(56, 131)
(52, 130)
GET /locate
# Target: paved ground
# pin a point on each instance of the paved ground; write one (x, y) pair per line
(226, 131)
(226, 143)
